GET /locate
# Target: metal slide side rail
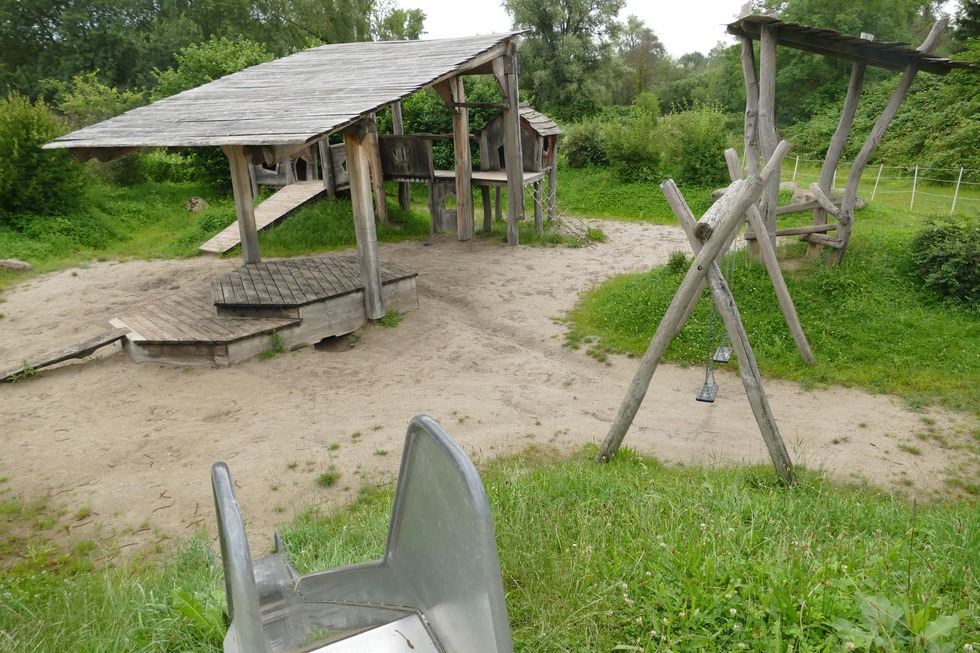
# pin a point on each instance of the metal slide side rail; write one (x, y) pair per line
(438, 587)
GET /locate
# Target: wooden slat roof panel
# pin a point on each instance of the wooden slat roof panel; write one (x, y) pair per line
(892, 55)
(293, 100)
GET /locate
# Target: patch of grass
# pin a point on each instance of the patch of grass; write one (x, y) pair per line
(637, 556)
(910, 448)
(334, 446)
(328, 478)
(391, 318)
(278, 347)
(867, 323)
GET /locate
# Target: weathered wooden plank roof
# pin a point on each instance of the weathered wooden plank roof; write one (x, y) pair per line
(290, 101)
(892, 55)
(539, 122)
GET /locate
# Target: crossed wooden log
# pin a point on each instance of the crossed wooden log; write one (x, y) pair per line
(710, 237)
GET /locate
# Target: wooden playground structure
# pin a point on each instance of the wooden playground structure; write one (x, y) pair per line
(274, 122)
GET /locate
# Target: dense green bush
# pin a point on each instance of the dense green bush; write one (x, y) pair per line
(583, 144)
(946, 258)
(696, 139)
(34, 181)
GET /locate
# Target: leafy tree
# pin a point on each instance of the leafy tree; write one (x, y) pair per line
(566, 57)
(644, 56)
(34, 181)
(392, 23)
(967, 22)
(86, 100)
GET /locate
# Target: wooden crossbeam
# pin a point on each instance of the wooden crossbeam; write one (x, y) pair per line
(80, 350)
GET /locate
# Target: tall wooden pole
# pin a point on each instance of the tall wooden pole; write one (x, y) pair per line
(505, 70)
(767, 125)
(398, 127)
(241, 186)
(839, 140)
(464, 162)
(377, 176)
(357, 143)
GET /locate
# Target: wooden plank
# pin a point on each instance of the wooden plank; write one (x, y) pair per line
(80, 350)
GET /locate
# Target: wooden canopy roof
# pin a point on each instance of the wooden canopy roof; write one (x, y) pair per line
(891, 55)
(540, 123)
(274, 108)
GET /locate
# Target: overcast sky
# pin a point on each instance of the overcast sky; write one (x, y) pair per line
(682, 26)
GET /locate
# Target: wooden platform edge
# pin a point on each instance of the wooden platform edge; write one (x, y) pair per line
(79, 350)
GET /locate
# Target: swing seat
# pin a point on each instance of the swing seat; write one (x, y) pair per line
(722, 355)
(438, 587)
(708, 393)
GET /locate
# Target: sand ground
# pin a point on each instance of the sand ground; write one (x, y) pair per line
(483, 355)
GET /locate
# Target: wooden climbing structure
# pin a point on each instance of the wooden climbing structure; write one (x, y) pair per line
(760, 114)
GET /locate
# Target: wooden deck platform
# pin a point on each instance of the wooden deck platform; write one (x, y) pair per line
(302, 300)
(272, 211)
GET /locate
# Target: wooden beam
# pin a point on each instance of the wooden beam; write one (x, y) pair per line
(81, 350)
(553, 182)
(797, 231)
(242, 188)
(751, 131)
(871, 144)
(377, 177)
(838, 141)
(767, 124)
(326, 163)
(357, 143)
(464, 162)
(398, 128)
(505, 71)
(768, 254)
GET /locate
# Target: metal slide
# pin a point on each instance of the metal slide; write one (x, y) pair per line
(438, 587)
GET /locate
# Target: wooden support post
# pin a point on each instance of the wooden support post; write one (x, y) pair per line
(838, 141)
(487, 208)
(498, 210)
(464, 162)
(398, 127)
(505, 70)
(747, 193)
(767, 125)
(871, 144)
(553, 183)
(326, 164)
(377, 177)
(748, 368)
(242, 189)
(751, 129)
(358, 144)
(768, 255)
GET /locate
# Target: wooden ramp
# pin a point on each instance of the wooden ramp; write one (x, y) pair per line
(81, 350)
(281, 204)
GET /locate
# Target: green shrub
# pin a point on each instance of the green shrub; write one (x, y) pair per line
(34, 181)
(633, 146)
(583, 144)
(696, 139)
(946, 258)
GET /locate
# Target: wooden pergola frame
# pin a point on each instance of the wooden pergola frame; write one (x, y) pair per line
(268, 112)
(760, 114)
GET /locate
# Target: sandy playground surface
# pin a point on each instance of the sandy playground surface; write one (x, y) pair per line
(483, 355)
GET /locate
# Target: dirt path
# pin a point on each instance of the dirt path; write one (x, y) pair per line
(482, 355)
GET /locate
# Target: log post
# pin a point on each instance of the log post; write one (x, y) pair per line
(538, 214)
(553, 183)
(767, 125)
(871, 144)
(358, 142)
(505, 71)
(838, 141)
(768, 255)
(748, 368)
(487, 208)
(326, 162)
(747, 194)
(242, 188)
(377, 176)
(398, 127)
(464, 163)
